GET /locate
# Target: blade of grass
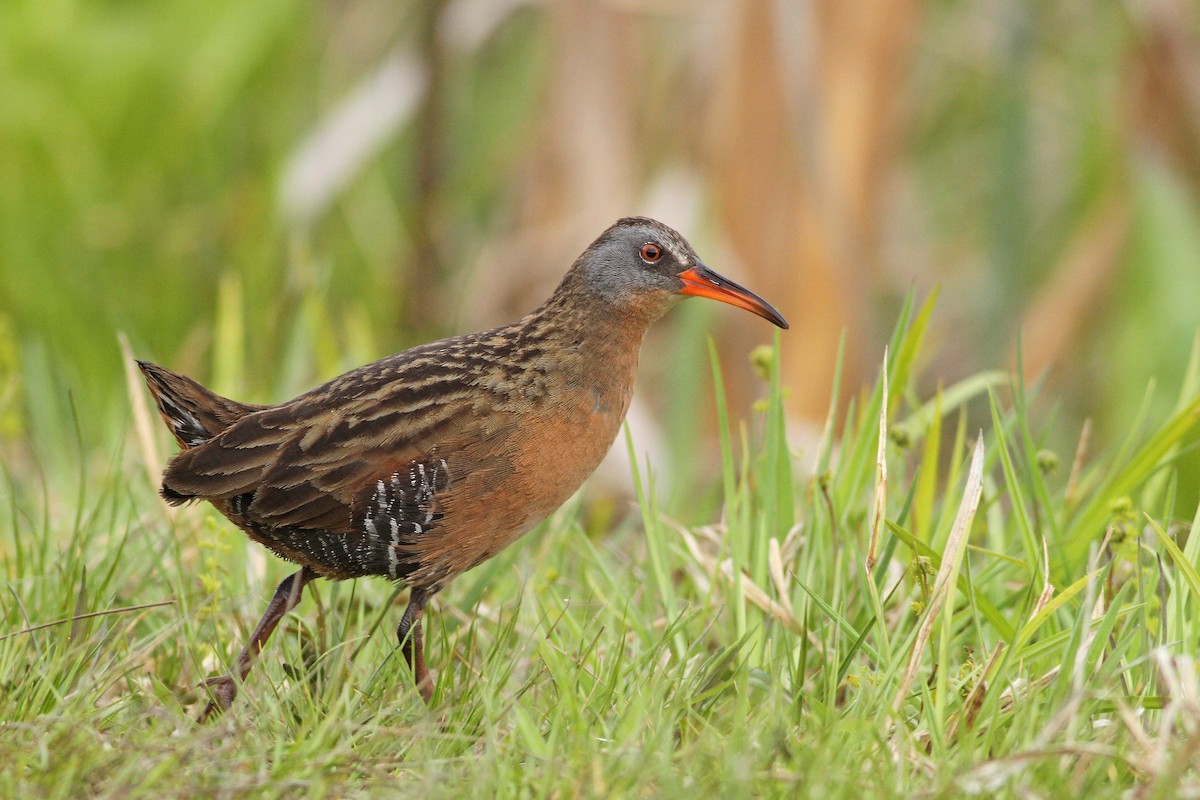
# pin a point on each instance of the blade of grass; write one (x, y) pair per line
(948, 572)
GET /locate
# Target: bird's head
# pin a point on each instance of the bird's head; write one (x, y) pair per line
(640, 262)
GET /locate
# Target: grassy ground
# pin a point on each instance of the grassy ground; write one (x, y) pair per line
(1037, 640)
(969, 614)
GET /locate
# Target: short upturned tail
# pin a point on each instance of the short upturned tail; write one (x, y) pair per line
(192, 413)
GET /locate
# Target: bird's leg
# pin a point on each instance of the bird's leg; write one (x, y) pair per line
(223, 689)
(411, 642)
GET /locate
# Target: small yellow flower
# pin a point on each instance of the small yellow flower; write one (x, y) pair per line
(761, 359)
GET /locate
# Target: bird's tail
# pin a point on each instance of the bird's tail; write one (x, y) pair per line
(192, 413)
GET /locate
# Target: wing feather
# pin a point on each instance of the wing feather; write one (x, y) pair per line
(315, 463)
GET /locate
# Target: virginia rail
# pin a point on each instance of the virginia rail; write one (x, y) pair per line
(422, 465)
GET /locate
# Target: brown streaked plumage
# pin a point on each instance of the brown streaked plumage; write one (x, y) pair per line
(422, 465)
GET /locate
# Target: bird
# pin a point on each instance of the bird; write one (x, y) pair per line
(424, 464)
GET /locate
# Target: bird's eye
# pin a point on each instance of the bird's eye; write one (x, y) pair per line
(651, 252)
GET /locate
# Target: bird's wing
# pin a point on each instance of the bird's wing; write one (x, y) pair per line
(360, 442)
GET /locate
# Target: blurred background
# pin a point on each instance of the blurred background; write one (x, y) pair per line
(263, 194)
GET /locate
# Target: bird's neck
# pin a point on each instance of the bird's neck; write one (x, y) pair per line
(594, 327)
(579, 301)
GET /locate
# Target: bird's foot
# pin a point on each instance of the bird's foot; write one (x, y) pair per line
(221, 691)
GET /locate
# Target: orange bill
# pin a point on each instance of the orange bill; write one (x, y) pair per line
(703, 282)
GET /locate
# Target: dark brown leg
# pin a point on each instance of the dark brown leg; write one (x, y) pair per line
(224, 688)
(412, 643)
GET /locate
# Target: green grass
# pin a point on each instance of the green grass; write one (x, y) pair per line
(748, 650)
(1025, 629)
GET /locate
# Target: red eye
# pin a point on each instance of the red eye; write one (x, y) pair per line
(651, 252)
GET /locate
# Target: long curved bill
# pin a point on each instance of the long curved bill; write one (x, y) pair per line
(703, 282)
